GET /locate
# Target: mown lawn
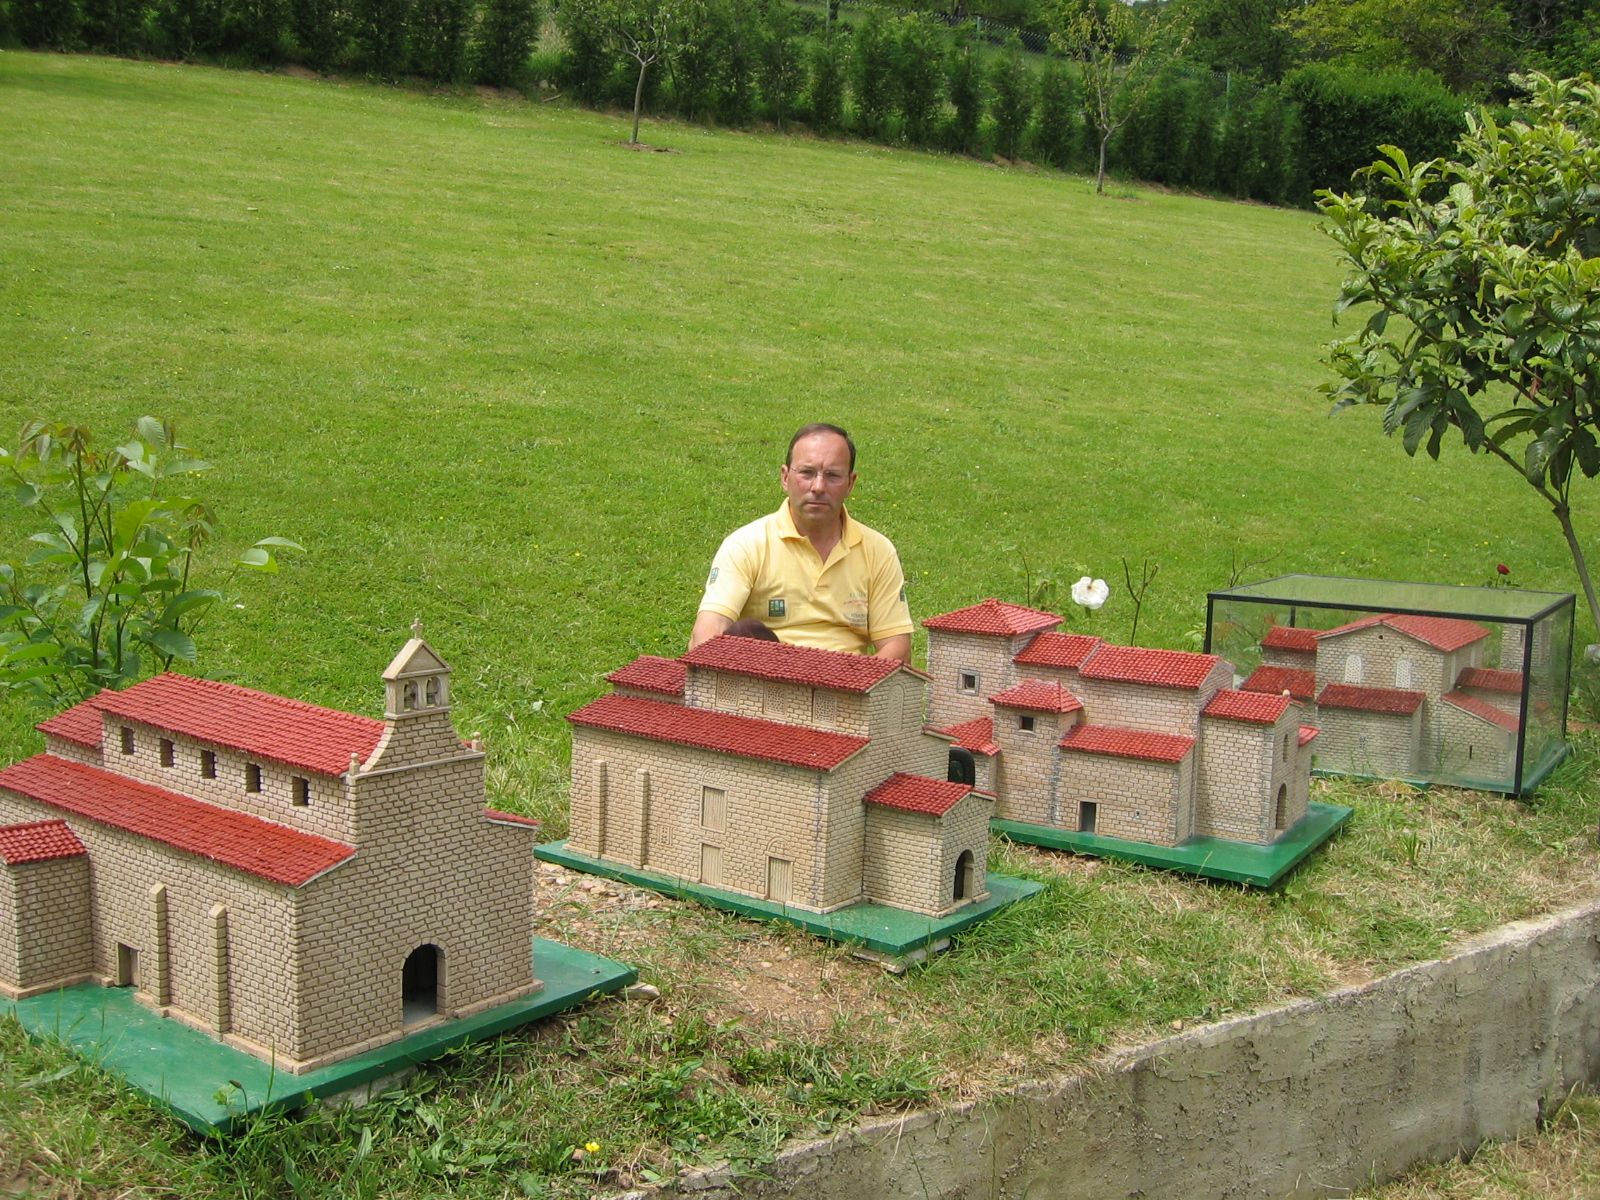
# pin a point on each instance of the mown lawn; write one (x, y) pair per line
(494, 370)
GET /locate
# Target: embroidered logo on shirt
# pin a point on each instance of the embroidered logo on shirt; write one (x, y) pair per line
(902, 587)
(856, 611)
(714, 571)
(775, 608)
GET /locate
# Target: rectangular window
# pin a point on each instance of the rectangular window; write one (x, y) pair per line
(713, 808)
(1025, 724)
(127, 740)
(168, 752)
(252, 777)
(302, 791)
(208, 764)
(967, 683)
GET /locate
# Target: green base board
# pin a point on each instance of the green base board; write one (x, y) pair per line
(208, 1085)
(1215, 858)
(892, 932)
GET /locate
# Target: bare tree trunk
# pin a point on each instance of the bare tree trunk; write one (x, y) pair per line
(1579, 562)
(1100, 176)
(638, 99)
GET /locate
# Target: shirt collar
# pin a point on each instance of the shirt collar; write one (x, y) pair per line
(849, 533)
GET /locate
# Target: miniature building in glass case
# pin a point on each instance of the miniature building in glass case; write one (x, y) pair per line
(1429, 683)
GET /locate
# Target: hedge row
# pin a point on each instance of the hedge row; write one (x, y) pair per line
(897, 77)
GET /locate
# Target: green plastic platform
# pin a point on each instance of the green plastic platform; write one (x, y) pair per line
(1215, 858)
(208, 1085)
(892, 933)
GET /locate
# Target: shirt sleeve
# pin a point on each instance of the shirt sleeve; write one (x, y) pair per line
(888, 615)
(733, 574)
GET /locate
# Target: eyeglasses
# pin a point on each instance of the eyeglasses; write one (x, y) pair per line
(810, 475)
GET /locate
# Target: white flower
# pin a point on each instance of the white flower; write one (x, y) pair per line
(1090, 593)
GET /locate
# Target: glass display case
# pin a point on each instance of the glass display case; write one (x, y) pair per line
(1424, 682)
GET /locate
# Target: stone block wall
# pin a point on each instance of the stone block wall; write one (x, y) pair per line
(1137, 800)
(911, 857)
(1153, 709)
(1471, 747)
(327, 814)
(44, 925)
(769, 810)
(951, 654)
(1365, 743)
(1241, 767)
(156, 901)
(1029, 764)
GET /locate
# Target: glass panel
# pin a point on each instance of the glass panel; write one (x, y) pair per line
(1438, 695)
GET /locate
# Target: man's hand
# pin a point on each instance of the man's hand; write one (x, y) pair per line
(897, 647)
(708, 625)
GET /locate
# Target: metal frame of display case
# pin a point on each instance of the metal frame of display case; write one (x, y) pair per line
(1503, 606)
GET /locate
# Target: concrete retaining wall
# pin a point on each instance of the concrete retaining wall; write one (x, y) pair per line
(1311, 1099)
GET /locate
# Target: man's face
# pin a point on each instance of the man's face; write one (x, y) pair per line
(817, 479)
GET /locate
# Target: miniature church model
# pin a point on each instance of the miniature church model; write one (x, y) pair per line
(1398, 695)
(785, 773)
(305, 884)
(1154, 746)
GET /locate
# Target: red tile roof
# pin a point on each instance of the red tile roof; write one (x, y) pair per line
(1057, 650)
(918, 794)
(234, 839)
(1490, 679)
(501, 817)
(79, 724)
(1370, 699)
(1442, 633)
(1307, 732)
(258, 724)
(37, 841)
(1038, 696)
(1254, 707)
(747, 737)
(1127, 743)
(1290, 637)
(994, 617)
(1484, 712)
(808, 665)
(1301, 685)
(976, 735)
(1159, 668)
(651, 673)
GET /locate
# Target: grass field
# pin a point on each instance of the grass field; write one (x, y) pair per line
(494, 370)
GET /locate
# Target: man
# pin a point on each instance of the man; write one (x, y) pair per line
(809, 571)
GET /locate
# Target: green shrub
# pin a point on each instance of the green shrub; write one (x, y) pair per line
(438, 32)
(590, 61)
(47, 24)
(1012, 85)
(188, 28)
(872, 74)
(963, 74)
(696, 64)
(321, 30)
(825, 95)
(255, 30)
(116, 26)
(380, 33)
(1345, 114)
(505, 38)
(778, 60)
(919, 54)
(1058, 123)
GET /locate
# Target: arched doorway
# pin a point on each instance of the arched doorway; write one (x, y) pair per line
(963, 886)
(419, 984)
(1282, 813)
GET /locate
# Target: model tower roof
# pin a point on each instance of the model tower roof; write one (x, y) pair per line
(994, 617)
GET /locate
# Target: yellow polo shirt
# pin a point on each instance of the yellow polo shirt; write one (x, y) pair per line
(769, 570)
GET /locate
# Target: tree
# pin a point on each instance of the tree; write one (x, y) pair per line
(1483, 280)
(919, 52)
(872, 74)
(1120, 56)
(1465, 42)
(648, 31)
(964, 81)
(779, 64)
(108, 586)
